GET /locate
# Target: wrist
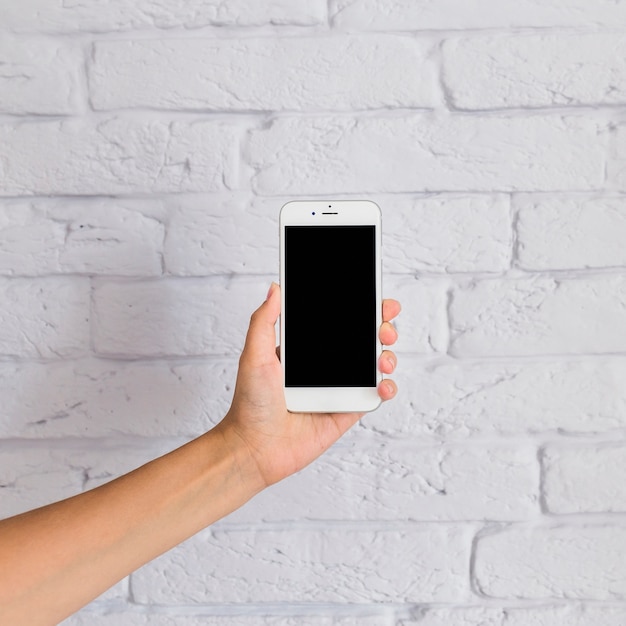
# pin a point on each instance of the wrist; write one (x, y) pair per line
(243, 466)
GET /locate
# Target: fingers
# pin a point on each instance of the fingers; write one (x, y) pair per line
(387, 362)
(391, 309)
(387, 334)
(387, 389)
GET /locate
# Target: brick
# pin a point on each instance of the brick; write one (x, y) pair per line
(535, 71)
(262, 74)
(43, 237)
(570, 232)
(114, 156)
(582, 562)
(448, 233)
(460, 399)
(222, 235)
(424, 563)
(460, 14)
(175, 317)
(569, 615)
(121, 15)
(39, 77)
(44, 318)
(263, 618)
(104, 398)
(426, 152)
(585, 479)
(405, 482)
(539, 316)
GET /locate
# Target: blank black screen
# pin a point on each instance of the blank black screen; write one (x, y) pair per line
(330, 306)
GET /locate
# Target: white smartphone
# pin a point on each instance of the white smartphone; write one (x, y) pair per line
(331, 275)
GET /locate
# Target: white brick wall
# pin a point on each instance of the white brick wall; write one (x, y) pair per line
(122, 15)
(145, 150)
(263, 74)
(383, 565)
(539, 315)
(473, 14)
(591, 231)
(547, 562)
(428, 152)
(115, 155)
(535, 71)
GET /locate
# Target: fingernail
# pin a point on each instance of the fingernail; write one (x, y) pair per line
(391, 362)
(389, 387)
(271, 289)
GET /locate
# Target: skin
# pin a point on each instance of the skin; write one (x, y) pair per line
(56, 559)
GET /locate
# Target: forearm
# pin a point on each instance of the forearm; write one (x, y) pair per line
(56, 559)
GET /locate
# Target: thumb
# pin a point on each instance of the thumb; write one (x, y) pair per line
(260, 343)
(273, 302)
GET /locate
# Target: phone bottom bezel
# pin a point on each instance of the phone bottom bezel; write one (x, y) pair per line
(331, 399)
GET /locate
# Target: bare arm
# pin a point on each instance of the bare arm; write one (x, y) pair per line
(55, 559)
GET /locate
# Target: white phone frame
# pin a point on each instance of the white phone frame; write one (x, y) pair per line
(333, 213)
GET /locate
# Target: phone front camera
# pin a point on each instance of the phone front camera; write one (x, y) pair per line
(313, 213)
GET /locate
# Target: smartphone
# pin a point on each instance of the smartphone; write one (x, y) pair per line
(331, 275)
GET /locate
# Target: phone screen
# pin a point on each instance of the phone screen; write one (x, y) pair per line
(330, 306)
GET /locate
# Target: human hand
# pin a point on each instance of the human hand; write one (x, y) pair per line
(280, 443)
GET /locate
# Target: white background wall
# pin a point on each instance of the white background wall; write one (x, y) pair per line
(146, 147)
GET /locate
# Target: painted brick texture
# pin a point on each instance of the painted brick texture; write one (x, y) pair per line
(246, 75)
(427, 152)
(146, 148)
(535, 71)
